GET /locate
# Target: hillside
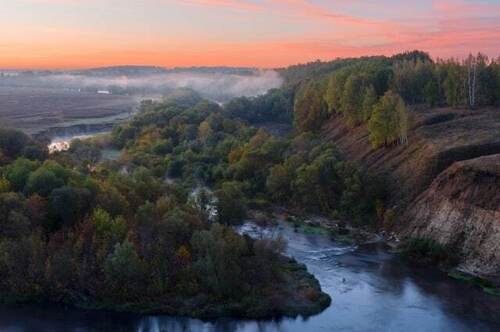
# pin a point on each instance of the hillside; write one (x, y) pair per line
(426, 175)
(461, 209)
(438, 138)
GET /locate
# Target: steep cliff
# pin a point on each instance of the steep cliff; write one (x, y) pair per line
(461, 209)
(444, 183)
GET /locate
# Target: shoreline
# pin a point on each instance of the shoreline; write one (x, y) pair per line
(301, 288)
(313, 224)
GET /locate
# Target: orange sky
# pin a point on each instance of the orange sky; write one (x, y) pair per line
(262, 33)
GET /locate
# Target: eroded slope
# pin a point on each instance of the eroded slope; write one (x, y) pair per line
(444, 182)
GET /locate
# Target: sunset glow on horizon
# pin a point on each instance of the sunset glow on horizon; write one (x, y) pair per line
(49, 34)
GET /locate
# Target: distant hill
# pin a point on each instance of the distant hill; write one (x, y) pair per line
(121, 71)
(132, 71)
(215, 70)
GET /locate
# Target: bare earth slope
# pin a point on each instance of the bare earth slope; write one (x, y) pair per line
(441, 158)
(462, 209)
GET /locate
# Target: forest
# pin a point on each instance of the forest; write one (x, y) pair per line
(378, 91)
(120, 235)
(138, 233)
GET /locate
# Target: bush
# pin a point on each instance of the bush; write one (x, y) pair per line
(425, 250)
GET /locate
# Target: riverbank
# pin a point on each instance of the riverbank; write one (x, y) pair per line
(371, 287)
(422, 251)
(444, 181)
(336, 229)
(297, 293)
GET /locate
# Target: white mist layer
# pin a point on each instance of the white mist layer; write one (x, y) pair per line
(215, 86)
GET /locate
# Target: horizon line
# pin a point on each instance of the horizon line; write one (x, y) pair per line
(97, 66)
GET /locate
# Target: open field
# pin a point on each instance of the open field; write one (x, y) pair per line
(38, 109)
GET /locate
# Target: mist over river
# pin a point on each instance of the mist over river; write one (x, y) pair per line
(371, 289)
(63, 143)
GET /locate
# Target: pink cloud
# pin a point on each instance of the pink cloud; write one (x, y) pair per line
(234, 4)
(462, 8)
(446, 28)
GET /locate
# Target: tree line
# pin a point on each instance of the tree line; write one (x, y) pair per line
(378, 91)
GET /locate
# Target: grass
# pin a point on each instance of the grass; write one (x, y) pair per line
(300, 226)
(428, 251)
(492, 291)
(310, 229)
(345, 239)
(487, 286)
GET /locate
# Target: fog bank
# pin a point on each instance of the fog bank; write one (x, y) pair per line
(217, 85)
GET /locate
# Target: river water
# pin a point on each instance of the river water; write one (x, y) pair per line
(371, 289)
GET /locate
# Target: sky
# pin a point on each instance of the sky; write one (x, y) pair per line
(48, 34)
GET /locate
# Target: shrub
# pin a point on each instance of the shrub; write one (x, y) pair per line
(426, 250)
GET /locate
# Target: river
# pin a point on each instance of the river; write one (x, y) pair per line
(372, 289)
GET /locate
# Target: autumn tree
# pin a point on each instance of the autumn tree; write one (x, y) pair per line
(204, 131)
(278, 183)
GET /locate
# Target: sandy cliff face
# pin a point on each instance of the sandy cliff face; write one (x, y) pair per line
(444, 183)
(461, 209)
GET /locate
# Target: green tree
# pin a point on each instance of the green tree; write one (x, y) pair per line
(42, 181)
(231, 207)
(410, 79)
(67, 206)
(351, 101)
(107, 226)
(123, 270)
(334, 91)
(369, 101)
(218, 260)
(111, 200)
(278, 183)
(310, 187)
(122, 134)
(389, 121)
(454, 84)
(85, 152)
(12, 142)
(431, 91)
(14, 221)
(310, 109)
(18, 173)
(495, 69)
